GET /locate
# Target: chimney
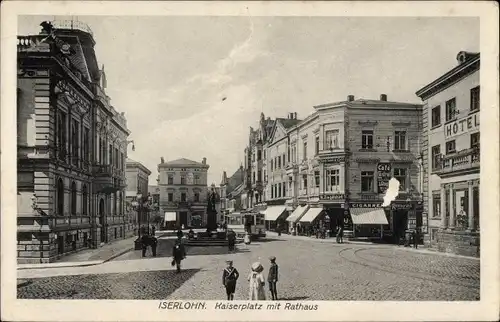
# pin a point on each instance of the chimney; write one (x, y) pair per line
(295, 115)
(383, 97)
(350, 98)
(204, 161)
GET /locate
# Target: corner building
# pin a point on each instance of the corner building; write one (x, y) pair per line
(339, 161)
(137, 184)
(71, 146)
(452, 157)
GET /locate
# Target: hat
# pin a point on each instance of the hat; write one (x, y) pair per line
(272, 258)
(229, 261)
(257, 267)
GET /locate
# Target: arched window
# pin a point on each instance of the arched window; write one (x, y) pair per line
(73, 198)
(85, 200)
(60, 197)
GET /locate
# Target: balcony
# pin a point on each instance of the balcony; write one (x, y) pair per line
(460, 163)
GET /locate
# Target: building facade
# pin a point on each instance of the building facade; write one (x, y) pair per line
(69, 195)
(137, 186)
(231, 190)
(451, 157)
(339, 161)
(183, 191)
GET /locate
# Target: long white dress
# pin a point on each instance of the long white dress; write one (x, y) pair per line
(256, 287)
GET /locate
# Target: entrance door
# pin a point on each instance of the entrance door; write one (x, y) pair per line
(102, 221)
(184, 219)
(60, 244)
(400, 223)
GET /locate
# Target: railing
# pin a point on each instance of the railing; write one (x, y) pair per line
(102, 170)
(463, 160)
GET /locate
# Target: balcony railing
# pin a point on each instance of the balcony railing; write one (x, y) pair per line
(465, 160)
(102, 170)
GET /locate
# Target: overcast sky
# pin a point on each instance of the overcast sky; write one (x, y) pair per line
(170, 74)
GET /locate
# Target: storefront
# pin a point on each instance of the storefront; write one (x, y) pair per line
(275, 216)
(334, 212)
(294, 218)
(404, 216)
(369, 219)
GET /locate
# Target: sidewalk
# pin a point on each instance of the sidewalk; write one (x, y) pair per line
(332, 240)
(89, 257)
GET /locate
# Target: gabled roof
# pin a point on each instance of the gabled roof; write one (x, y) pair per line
(237, 191)
(183, 162)
(285, 123)
(235, 180)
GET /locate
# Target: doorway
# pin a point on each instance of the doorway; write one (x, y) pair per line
(399, 224)
(183, 219)
(60, 245)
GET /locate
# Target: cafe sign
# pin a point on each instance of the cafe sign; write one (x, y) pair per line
(461, 126)
(384, 173)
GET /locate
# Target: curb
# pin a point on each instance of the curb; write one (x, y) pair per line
(118, 255)
(83, 264)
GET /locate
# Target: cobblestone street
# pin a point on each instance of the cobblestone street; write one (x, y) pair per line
(309, 270)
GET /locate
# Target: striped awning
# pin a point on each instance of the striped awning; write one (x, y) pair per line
(311, 214)
(170, 216)
(368, 216)
(273, 212)
(297, 213)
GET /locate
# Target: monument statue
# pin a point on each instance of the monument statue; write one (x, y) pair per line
(211, 211)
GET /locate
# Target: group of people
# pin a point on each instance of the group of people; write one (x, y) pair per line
(256, 280)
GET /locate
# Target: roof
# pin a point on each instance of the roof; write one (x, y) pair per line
(135, 164)
(237, 191)
(235, 180)
(183, 162)
(369, 102)
(288, 123)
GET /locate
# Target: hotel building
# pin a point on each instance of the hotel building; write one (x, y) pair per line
(451, 157)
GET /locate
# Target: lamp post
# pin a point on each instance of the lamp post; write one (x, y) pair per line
(140, 205)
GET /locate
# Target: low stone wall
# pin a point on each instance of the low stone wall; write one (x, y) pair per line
(464, 243)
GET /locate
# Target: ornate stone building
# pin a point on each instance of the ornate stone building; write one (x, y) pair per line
(66, 176)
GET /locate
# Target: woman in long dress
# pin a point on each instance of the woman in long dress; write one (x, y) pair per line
(257, 283)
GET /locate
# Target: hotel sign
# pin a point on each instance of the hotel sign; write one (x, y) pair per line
(461, 126)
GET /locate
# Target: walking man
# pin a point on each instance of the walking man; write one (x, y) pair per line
(272, 278)
(231, 239)
(229, 277)
(340, 234)
(154, 244)
(179, 253)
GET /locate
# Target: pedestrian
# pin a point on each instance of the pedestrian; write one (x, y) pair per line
(278, 229)
(257, 283)
(247, 240)
(231, 239)
(154, 244)
(178, 253)
(144, 244)
(340, 234)
(229, 278)
(180, 234)
(416, 237)
(272, 278)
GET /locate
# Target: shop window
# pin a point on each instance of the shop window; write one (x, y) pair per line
(400, 174)
(436, 116)
(367, 181)
(436, 157)
(450, 147)
(436, 205)
(367, 139)
(474, 140)
(474, 98)
(400, 140)
(447, 207)
(451, 106)
(332, 179)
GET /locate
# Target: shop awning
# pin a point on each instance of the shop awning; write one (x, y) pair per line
(273, 212)
(311, 214)
(170, 216)
(368, 216)
(297, 213)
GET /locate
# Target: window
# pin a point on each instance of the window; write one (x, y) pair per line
(436, 116)
(316, 145)
(196, 197)
(436, 157)
(86, 144)
(183, 197)
(60, 197)
(170, 180)
(400, 175)
(196, 179)
(332, 179)
(279, 162)
(451, 109)
(183, 179)
(284, 189)
(73, 198)
(253, 177)
(259, 155)
(265, 176)
(271, 165)
(474, 99)
(264, 154)
(436, 205)
(110, 152)
(316, 179)
(367, 139)
(259, 175)
(272, 191)
(170, 197)
(288, 151)
(305, 150)
(367, 179)
(284, 162)
(115, 201)
(85, 200)
(450, 147)
(474, 140)
(61, 135)
(400, 140)
(279, 190)
(332, 139)
(304, 181)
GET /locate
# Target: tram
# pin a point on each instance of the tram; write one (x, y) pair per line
(253, 222)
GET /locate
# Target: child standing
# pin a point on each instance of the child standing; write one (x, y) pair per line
(272, 278)
(229, 278)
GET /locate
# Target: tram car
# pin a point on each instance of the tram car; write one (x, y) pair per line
(241, 222)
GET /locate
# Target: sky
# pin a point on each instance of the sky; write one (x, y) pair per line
(169, 74)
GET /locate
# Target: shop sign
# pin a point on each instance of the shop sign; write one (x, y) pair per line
(401, 206)
(366, 205)
(337, 196)
(384, 173)
(412, 223)
(333, 159)
(461, 126)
